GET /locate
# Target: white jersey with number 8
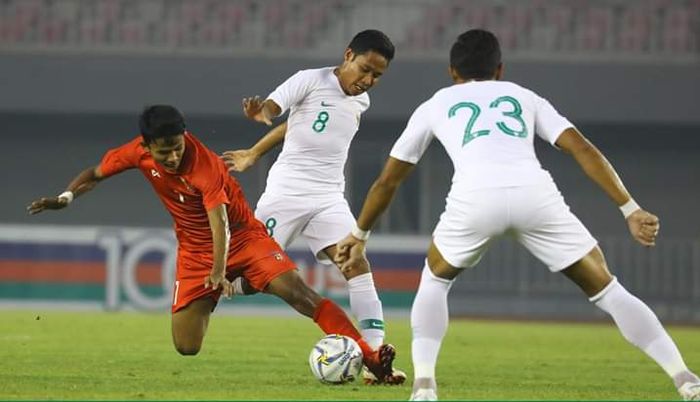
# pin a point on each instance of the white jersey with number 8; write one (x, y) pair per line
(322, 123)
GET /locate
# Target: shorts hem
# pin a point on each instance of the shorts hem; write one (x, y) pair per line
(578, 256)
(175, 309)
(451, 261)
(276, 275)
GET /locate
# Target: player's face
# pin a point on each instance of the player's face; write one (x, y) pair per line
(360, 72)
(168, 151)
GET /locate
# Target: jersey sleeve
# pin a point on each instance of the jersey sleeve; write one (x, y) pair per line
(549, 124)
(364, 102)
(416, 137)
(293, 90)
(210, 177)
(119, 159)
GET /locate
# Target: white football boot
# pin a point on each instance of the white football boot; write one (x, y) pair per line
(690, 391)
(424, 394)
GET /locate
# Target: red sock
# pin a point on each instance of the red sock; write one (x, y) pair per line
(333, 320)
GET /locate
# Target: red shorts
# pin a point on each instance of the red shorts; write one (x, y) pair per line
(261, 261)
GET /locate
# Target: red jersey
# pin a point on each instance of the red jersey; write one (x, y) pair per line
(201, 183)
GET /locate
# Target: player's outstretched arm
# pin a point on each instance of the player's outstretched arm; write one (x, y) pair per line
(260, 110)
(242, 159)
(82, 183)
(643, 225)
(218, 222)
(378, 199)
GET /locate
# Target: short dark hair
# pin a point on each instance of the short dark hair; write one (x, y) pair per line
(160, 121)
(372, 40)
(476, 54)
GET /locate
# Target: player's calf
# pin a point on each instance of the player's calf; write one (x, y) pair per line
(295, 292)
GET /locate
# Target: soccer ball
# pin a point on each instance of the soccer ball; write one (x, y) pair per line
(336, 359)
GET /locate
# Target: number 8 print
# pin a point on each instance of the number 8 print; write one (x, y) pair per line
(320, 122)
(270, 225)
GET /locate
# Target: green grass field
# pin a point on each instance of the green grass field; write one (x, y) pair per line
(78, 356)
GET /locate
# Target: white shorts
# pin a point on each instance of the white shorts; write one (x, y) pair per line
(320, 221)
(536, 216)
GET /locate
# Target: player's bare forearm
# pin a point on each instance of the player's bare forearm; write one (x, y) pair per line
(273, 138)
(218, 222)
(382, 192)
(82, 183)
(643, 226)
(85, 181)
(271, 109)
(240, 160)
(377, 201)
(594, 164)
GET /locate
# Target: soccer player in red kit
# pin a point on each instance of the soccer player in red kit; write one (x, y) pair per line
(218, 235)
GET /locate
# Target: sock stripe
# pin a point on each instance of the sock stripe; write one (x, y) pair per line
(371, 323)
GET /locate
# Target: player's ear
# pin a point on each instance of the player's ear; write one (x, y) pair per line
(348, 56)
(453, 74)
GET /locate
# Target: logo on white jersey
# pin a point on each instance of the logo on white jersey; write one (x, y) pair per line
(324, 104)
(155, 173)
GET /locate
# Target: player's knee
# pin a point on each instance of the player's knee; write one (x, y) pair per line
(295, 292)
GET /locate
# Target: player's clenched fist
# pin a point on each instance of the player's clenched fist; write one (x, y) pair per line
(644, 227)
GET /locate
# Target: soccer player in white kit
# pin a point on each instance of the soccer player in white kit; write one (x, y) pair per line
(487, 127)
(304, 196)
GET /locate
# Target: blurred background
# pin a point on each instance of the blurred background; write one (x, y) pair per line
(74, 75)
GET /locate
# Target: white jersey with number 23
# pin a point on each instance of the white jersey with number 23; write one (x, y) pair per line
(498, 187)
(487, 129)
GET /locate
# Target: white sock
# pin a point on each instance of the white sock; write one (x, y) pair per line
(639, 325)
(367, 309)
(429, 320)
